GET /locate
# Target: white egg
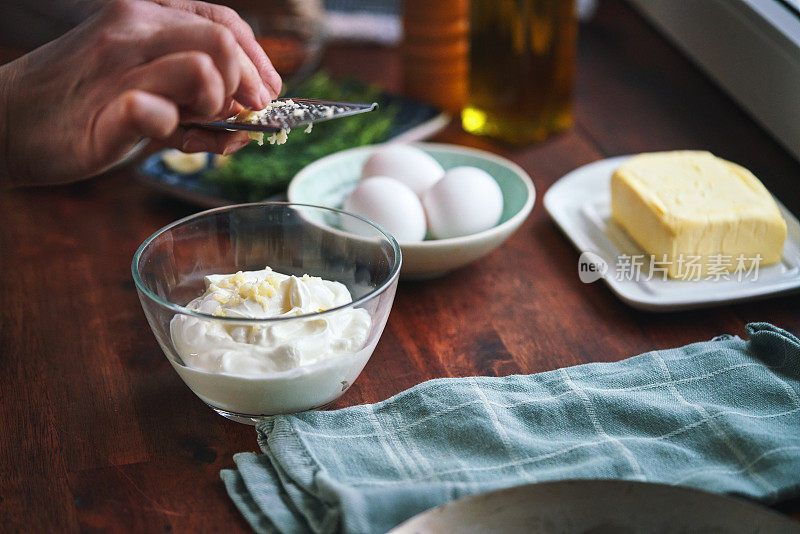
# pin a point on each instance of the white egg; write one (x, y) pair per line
(404, 163)
(389, 203)
(465, 201)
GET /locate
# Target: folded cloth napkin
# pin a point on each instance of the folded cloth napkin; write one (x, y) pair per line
(722, 415)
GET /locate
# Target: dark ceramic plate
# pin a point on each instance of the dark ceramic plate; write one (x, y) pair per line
(415, 121)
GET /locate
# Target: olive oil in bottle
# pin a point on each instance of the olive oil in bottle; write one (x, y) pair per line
(521, 69)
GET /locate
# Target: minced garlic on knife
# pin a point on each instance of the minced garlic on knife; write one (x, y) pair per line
(259, 117)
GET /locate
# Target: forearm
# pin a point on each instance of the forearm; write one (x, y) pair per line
(27, 25)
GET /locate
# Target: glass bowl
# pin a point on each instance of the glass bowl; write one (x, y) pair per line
(170, 267)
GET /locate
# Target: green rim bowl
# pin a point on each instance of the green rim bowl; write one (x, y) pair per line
(328, 181)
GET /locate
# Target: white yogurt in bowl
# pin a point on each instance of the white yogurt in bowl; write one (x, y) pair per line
(303, 359)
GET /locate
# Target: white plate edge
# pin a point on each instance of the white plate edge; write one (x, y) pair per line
(656, 303)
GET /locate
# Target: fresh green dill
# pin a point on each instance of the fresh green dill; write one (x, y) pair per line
(255, 172)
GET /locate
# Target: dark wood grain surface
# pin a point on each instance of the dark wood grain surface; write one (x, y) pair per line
(98, 432)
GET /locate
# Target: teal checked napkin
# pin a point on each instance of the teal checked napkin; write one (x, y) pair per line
(721, 415)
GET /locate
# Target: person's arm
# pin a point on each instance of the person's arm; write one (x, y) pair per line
(134, 69)
(27, 25)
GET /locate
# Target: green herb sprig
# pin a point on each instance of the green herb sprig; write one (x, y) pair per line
(256, 172)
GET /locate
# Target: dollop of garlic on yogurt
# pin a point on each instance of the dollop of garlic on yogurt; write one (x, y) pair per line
(242, 348)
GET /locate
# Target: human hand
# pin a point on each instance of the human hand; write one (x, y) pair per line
(240, 30)
(136, 68)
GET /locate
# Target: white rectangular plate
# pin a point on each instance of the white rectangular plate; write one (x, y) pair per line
(580, 204)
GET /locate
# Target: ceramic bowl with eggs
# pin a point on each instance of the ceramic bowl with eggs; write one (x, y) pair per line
(446, 205)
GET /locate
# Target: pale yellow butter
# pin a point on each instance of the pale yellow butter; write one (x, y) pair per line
(688, 208)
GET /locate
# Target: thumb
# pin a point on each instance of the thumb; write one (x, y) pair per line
(126, 119)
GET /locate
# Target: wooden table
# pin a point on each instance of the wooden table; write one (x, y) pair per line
(98, 432)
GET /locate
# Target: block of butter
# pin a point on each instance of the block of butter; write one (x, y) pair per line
(696, 214)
